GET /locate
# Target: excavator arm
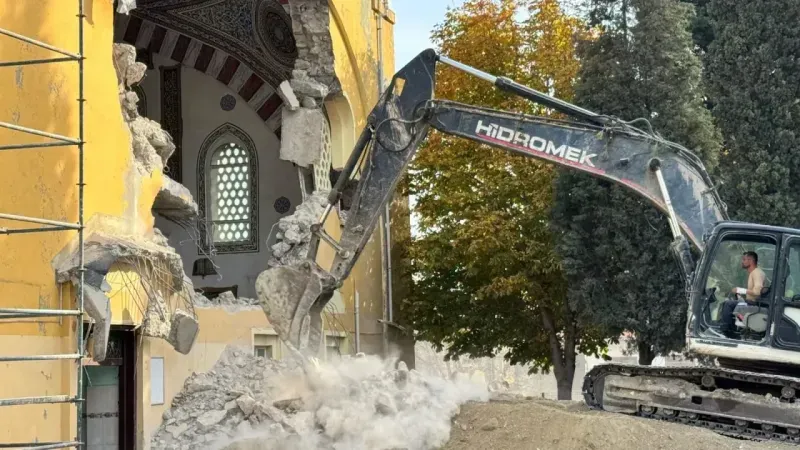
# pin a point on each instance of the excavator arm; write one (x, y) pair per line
(667, 175)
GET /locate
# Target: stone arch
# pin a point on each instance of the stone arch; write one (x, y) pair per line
(251, 57)
(226, 135)
(343, 128)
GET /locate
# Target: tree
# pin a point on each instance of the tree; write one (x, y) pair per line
(486, 278)
(614, 245)
(753, 72)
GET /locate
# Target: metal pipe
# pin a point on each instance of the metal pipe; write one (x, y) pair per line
(41, 445)
(29, 145)
(38, 357)
(468, 69)
(39, 312)
(33, 230)
(386, 215)
(39, 43)
(674, 225)
(29, 62)
(34, 132)
(81, 257)
(357, 321)
(52, 399)
(71, 226)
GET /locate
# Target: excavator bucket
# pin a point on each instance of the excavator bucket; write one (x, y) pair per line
(293, 298)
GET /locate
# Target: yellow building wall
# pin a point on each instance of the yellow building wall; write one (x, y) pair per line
(354, 34)
(43, 183)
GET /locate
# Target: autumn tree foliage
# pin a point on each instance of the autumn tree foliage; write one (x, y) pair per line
(614, 244)
(486, 277)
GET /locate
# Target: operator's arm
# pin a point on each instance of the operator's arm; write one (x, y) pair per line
(754, 284)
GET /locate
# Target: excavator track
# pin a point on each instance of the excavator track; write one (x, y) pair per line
(730, 402)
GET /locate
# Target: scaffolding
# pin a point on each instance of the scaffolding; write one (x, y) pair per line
(46, 225)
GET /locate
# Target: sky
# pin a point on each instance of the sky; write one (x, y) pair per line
(415, 21)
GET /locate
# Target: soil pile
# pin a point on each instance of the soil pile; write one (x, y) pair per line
(523, 423)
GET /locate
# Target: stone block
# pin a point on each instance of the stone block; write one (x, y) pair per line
(98, 307)
(183, 332)
(175, 201)
(286, 94)
(302, 136)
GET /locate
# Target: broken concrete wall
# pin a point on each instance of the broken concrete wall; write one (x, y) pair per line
(313, 80)
(109, 240)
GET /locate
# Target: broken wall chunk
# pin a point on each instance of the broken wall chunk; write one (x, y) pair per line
(302, 136)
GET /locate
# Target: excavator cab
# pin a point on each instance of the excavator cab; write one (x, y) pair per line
(767, 328)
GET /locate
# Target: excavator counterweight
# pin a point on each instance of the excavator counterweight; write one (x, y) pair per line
(663, 173)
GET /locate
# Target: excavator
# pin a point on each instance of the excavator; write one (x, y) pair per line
(748, 391)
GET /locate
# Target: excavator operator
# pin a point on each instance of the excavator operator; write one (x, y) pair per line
(756, 279)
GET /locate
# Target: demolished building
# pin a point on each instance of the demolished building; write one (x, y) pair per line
(206, 122)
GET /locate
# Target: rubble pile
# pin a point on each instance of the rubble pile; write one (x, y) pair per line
(246, 402)
(294, 231)
(227, 301)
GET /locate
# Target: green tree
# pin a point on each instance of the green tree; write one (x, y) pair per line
(753, 73)
(486, 276)
(614, 245)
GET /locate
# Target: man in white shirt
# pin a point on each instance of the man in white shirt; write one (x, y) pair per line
(756, 280)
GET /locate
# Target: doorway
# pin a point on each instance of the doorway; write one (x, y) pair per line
(110, 390)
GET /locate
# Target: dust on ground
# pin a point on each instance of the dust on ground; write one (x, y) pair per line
(524, 423)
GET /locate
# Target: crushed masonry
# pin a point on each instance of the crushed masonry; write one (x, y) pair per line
(313, 80)
(248, 402)
(174, 201)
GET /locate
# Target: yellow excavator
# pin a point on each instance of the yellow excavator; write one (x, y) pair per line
(751, 389)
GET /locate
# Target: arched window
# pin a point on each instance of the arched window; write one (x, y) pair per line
(228, 192)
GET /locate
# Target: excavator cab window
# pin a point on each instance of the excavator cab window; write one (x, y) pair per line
(750, 315)
(787, 326)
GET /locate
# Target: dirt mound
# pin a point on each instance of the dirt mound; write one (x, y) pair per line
(520, 423)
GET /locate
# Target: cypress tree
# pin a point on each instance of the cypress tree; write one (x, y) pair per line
(753, 74)
(614, 245)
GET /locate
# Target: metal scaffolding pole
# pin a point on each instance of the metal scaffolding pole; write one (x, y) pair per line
(49, 225)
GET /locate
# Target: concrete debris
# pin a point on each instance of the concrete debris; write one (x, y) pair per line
(315, 59)
(227, 301)
(286, 94)
(103, 248)
(129, 71)
(309, 102)
(175, 201)
(246, 402)
(125, 6)
(294, 231)
(98, 307)
(303, 136)
(156, 317)
(304, 85)
(179, 328)
(183, 332)
(151, 145)
(289, 291)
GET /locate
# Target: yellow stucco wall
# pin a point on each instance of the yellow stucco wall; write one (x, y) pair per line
(43, 183)
(354, 33)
